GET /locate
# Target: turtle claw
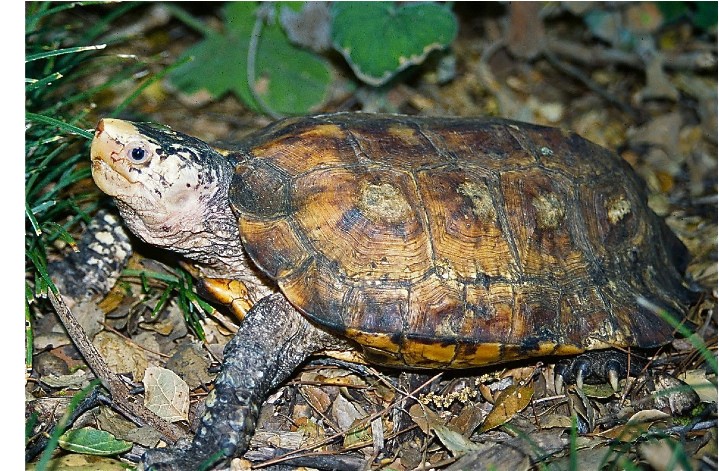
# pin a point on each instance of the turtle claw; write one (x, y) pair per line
(613, 375)
(579, 379)
(558, 383)
(595, 367)
(613, 369)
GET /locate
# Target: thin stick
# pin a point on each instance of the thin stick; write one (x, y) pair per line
(118, 390)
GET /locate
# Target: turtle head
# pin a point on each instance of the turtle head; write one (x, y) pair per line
(170, 188)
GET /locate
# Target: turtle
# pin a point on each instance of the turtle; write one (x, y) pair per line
(422, 242)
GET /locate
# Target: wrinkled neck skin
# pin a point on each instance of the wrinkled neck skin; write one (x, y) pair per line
(199, 225)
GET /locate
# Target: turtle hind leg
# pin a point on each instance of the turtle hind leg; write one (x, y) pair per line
(272, 342)
(596, 367)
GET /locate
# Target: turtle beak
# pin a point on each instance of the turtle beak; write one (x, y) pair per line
(109, 165)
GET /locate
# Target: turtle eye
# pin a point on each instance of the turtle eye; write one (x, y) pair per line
(138, 153)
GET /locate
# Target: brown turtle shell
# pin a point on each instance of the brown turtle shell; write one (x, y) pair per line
(457, 242)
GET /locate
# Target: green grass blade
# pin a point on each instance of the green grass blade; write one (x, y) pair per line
(60, 52)
(56, 122)
(684, 331)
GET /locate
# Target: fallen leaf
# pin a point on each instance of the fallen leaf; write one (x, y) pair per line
(697, 379)
(78, 462)
(77, 380)
(191, 363)
(166, 394)
(662, 455)
(92, 441)
(450, 436)
(509, 402)
(121, 355)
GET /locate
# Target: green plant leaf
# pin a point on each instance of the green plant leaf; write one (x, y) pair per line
(288, 80)
(379, 39)
(92, 441)
(705, 15)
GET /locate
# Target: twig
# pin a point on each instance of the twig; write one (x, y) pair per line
(321, 461)
(330, 439)
(599, 56)
(588, 82)
(118, 390)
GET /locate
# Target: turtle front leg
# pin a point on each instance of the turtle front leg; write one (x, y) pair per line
(233, 294)
(272, 342)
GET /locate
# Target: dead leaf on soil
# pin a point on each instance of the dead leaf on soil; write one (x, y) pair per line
(166, 394)
(77, 380)
(697, 379)
(121, 355)
(78, 462)
(450, 436)
(191, 362)
(638, 424)
(509, 402)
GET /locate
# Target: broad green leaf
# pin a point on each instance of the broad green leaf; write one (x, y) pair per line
(379, 39)
(91, 441)
(705, 15)
(288, 80)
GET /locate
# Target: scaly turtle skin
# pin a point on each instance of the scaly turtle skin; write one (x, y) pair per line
(427, 242)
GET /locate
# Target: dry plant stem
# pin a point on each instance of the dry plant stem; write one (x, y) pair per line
(599, 56)
(321, 461)
(118, 390)
(588, 82)
(330, 439)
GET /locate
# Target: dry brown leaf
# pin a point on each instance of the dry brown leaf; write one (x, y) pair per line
(77, 380)
(660, 454)
(78, 462)
(346, 413)
(166, 394)
(121, 355)
(191, 362)
(316, 397)
(638, 424)
(449, 435)
(697, 379)
(509, 402)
